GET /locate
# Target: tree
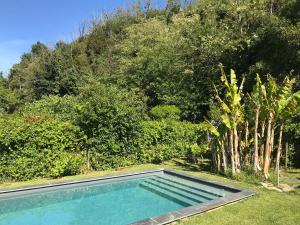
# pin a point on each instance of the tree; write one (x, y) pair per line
(258, 102)
(8, 98)
(232, 114)
(280, 103)
(220, 134)
(111, 120)
(271, 97)
(269, 102)
(172, 7)
(287, 105)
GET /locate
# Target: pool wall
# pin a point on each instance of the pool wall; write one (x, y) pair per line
(237, 193)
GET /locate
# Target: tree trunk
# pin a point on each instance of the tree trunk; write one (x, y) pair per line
(246, 149)
(271, 6)
(268, 146)
(278, 154)
(236, 150)
(272, 138)
(256, 141)
(262, 143)
(224, 156)
(231, 152)
(88, 159)
(286, 155)
(218, 161)
(241, 148)
(214, 161)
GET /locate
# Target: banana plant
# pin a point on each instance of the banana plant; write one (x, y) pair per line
(257, 98)
(281, 104)
(232, 113)
(220, 135)
(270, 98)
(288, 103)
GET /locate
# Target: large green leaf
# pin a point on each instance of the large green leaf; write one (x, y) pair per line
(227, 121)
(223, 76)
(211, 128)
(287, 102)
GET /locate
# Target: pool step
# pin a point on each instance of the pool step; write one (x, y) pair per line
(203, 190)
(169, 195)
(180, 192)
(202, 195)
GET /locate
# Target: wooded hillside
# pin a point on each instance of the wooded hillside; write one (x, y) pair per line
(137, 85)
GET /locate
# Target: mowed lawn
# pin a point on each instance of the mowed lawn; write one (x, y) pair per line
(266, 207)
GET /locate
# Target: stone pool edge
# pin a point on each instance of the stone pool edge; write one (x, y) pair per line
(120, 176)
(199, 208)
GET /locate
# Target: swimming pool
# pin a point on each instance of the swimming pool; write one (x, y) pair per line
(151, 197)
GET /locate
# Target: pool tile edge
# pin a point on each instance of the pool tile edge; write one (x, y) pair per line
(78, 181)
(194, 210)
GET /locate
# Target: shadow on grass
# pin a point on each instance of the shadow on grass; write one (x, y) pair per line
(194, 167)
(205, 166)
(294, 172)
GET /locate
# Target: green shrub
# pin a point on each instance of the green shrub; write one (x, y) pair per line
(108, 117)
(64, 108)
(111, 120)
(163, 140)
(39, 147)
(170, 112)
(111, 124)
(196, 150)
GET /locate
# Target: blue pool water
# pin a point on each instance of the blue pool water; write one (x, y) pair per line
(114, 203)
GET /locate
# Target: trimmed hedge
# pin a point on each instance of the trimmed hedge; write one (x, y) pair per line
(166, 139)
(33, 147)
(51, 137)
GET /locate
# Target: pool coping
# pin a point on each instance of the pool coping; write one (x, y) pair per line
(158, 220)
(76, 181)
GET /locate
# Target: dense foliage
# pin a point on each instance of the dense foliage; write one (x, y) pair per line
(246, 129)
(164, 139)
(109, 119)
(39, 147)
(136, 84)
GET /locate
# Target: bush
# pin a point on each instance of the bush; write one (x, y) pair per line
(165, 139)
(170, 112)
(8, 99)
(64, 108)
(109, 122)
(108, 117)
(194, 151)
(38, 147)
(111, 119)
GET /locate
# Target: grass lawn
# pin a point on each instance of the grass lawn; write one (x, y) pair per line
(266, 207)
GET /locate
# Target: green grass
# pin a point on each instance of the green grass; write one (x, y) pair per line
(266, 207)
